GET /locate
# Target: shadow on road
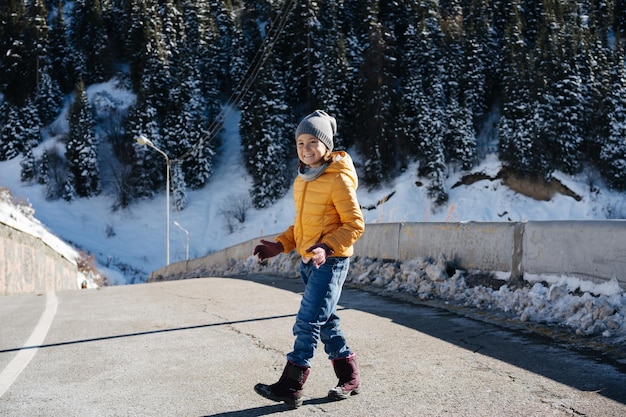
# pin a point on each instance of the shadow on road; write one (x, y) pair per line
(267, 410)
(150, 332)
(581, 368)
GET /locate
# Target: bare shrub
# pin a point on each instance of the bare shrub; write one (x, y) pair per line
(234, 209)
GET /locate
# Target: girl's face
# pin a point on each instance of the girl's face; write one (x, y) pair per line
(311, 150)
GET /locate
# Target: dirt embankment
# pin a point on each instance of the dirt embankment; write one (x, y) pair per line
(537, 188)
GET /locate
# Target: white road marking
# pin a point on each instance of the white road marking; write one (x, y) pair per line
(24, 356)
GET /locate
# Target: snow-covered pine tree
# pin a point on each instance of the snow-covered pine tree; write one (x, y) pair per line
(432, 152)
(478, 60)
(18, 51)
(431, 123)
(559, 84)
(48, 97)
(521, 147)
(331, 83)
(184, 130)
(90, 38)
(179, 188)
(247, 43)
(593, 63)
(518, 134)
(567, 118)
(377, 136)
(43, 176)
(413, 99)
(459, 137)
(228, 36)
(157, 80)
(355, 20)
(10, 144)
(297, 50)
(81, 146)
(200, 50)
(146, 171)
(21, 131)
(68, 192)
(140, 13)
(28, 167)
(173, 29)
(62, 59)
(613, 151)
(267, 138)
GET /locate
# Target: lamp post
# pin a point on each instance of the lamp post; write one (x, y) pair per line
(187, 233)
(142, 140)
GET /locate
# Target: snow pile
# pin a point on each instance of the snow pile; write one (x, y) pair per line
(581, 307)
(20, 216)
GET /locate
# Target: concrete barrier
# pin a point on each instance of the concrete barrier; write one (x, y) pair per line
(29, 265)
(590, 250)
(594, 250)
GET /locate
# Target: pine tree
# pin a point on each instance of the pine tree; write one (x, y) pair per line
(459, 137)
(10, 145)
(145, 172)
(431, 123)
(62, 55)
(377, 134)
(228, 36)
(21, 131)
(28, 171)
(432, 152)
(522, 147)
(48, 97)
(81, 147)
(267, 138)
(156, 79)
(179, 188)
(413, 98)
(68, 192)
(141, 12)
(43, 176)
(331, 83)
(560, 95)
(91, 40)
(18, 51)
(185, 133)
(30, 134)
(613, 152)
(296, 51)
(201, 50)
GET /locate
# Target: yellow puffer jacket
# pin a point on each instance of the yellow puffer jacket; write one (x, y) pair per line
(327, 210)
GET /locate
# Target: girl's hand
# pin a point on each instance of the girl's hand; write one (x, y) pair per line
(320, 252)
(267, 249)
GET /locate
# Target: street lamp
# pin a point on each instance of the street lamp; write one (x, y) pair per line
(142, 140)
(187, 233)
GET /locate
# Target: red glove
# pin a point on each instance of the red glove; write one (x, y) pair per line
(320, 251)
(267, 249)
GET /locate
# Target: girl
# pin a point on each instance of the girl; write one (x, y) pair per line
(328, 221)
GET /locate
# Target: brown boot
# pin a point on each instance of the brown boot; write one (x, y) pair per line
(348, 374)
(289, 386)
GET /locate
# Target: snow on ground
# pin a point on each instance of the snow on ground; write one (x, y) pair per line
(128, 244)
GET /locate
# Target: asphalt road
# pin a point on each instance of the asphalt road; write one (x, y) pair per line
(197, 347)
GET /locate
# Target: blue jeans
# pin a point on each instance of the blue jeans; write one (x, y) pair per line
(317, 318)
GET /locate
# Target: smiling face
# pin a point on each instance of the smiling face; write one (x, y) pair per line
(311, 150)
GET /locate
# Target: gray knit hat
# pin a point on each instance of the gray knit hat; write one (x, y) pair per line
(320, 125)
